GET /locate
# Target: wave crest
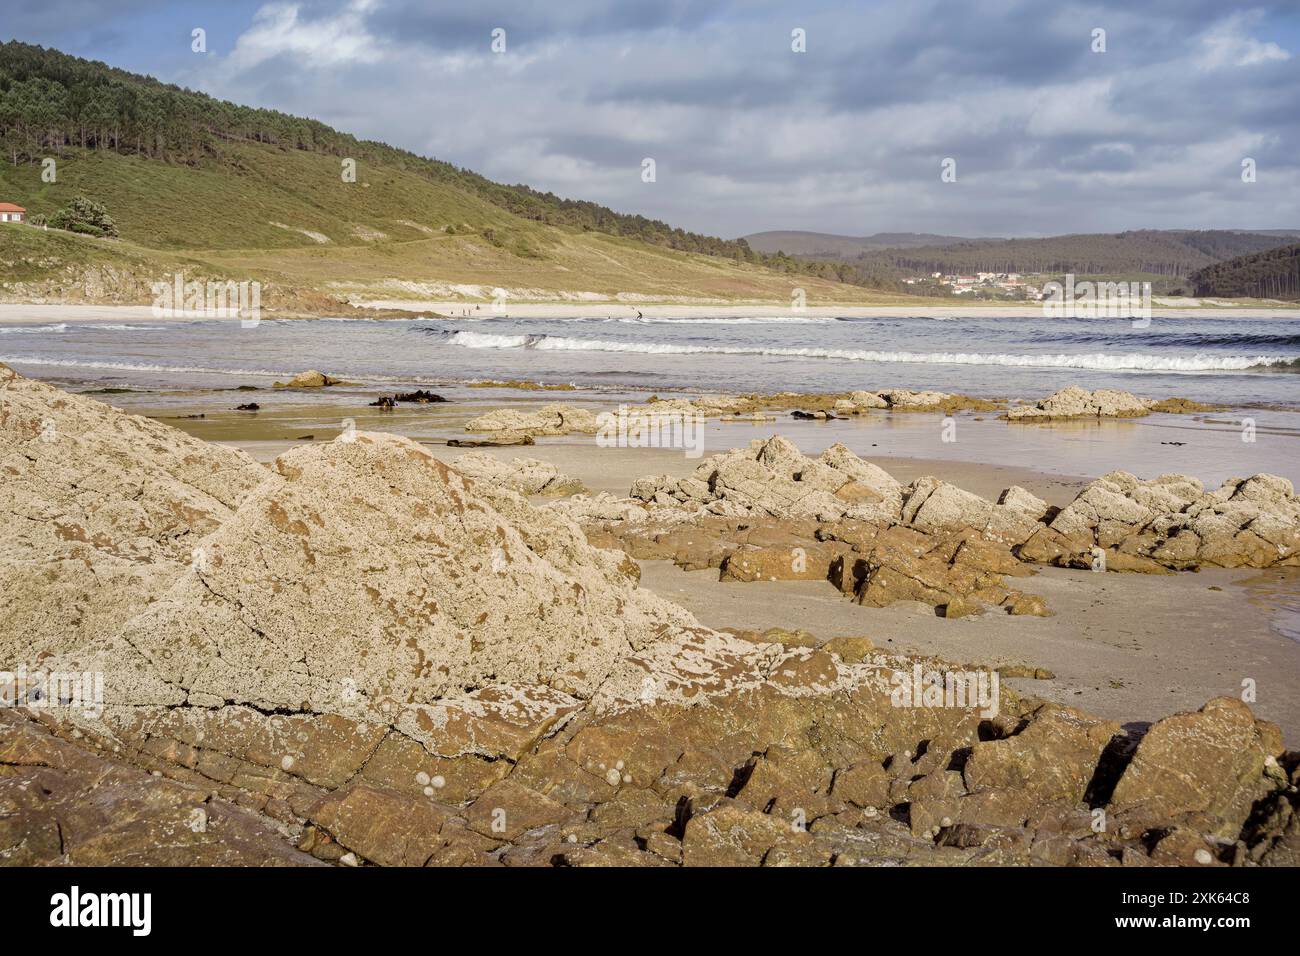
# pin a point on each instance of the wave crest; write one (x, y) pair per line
(1200, 362)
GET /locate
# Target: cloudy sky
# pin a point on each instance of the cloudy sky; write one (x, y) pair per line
(747, 134)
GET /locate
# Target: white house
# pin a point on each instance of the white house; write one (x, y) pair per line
(11, 213)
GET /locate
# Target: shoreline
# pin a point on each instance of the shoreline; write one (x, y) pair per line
(384, 309)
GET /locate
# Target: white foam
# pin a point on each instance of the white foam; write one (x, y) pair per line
(128, 328)
(735, 320)
(1200, 362)
(62, 326)
(132, 366)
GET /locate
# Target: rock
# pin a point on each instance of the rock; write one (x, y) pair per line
(382, 826)
(1171, 522)
(433, 587)
(311, 379)
(547, 420)
(506, 439)
(904, 399)
(852, 650)
(1179, 406)
(1075, 402)
(528, 476)
(248, 407)
(811, 563)
(1053, 758)
(66, 806)
(508, 809)
(1211, 761)
(819, 415)
(735, 835)
(863, 785)
(1026, 503)
(1026, 604)
(419, 397)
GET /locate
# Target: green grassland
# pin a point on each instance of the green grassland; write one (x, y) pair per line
(288, 219)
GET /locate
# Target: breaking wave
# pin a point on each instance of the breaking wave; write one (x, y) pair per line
(61, 327)
(133, 366)
(1200, 362)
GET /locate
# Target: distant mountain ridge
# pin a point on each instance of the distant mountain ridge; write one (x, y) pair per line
(800, 243)
(1173, 253)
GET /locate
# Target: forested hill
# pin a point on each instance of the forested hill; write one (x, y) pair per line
(1274, 274)
(824, 244)
(51, 102)
(1172, 253)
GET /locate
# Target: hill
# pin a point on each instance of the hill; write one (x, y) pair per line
(1273, 274)
(235, 192)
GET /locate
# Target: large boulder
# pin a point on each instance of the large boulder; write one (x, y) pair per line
(368, 577)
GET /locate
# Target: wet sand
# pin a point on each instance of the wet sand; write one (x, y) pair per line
(1206, 446)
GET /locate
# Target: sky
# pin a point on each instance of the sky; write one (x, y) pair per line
(1051, 127)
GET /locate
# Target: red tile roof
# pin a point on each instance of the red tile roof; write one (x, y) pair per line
(10, 207)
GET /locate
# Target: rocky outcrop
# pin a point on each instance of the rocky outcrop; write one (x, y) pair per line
(909, 400)
(366, 577)
(376, 660)
(1121, 522)
(704, 749)
(956, 573)
(547, 420)
(528, 476)
(1076, 402)
(773, 478)
(76, 805)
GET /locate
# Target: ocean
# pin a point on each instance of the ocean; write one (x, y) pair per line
(1239, 362)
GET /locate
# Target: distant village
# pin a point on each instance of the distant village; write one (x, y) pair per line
(1008, 284)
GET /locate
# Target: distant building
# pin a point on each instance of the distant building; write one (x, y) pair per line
(11, 213)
